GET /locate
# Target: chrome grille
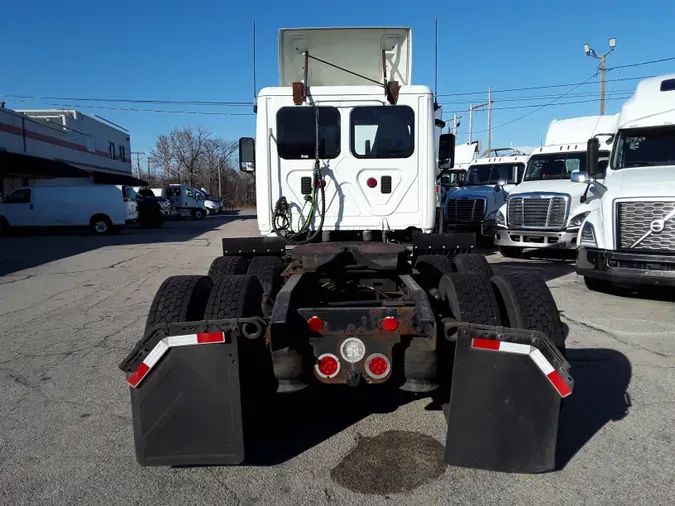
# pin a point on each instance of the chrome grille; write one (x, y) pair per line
(634, 220)
(538, 212)
(466, 210)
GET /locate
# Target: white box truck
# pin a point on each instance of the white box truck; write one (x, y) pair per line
(103, 208)
(628, 237)
(546, 209)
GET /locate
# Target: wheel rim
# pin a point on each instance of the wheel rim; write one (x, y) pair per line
(199, 214)
(101, 227)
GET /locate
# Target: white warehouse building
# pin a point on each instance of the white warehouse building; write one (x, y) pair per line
(61, 146)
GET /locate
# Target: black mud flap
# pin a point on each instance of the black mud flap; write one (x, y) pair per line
(507, 390)
(447, 243)
(186, 398)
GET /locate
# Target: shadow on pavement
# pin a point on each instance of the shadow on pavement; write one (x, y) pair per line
(601, 379)
(548, 271)
(24, 249)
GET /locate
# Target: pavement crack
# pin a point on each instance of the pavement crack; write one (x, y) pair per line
(18, 278)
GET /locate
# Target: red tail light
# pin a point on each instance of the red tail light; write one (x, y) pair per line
(372, 182)
(315, 324)
(390, 323)
(327, 366)
(378, 366)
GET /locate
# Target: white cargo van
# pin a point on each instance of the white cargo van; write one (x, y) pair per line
(628, 237)
(103, 208)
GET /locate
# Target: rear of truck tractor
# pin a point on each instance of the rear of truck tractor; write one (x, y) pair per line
(267, 321)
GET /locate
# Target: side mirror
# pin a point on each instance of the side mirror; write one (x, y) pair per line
(579, 176)
(247, 154)
(446, 151)
(500, 184)
(592, 155)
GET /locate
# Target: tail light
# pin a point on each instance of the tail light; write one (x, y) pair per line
(315, 324)
(390, 323)
(124, 194)
(438, 194)
(378, 366)
(327, 366)
(371, 182)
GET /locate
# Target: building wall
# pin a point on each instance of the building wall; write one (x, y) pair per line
(67, 136)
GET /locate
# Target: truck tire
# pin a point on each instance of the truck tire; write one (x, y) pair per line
(470, 298)
(4, 226)
(179, 299)
(101, 225)
(511, 252)
(527, 303)
(198, 214)
(473, 263)
(432, 268)
(222, 266)
(268, 271)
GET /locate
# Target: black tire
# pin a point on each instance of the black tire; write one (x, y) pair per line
(527, 303)
(4, 226)
(101, 225)
(473, 263)
(470, 298)
(598, 285)
(198, 214)
(179, 299)
(511, 252)
(223, 266)
(268, 271)
(432, 268)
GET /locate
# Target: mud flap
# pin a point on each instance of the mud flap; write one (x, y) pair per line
(507, 389)
(186, 398)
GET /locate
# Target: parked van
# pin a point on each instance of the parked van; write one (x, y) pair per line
(103, 208)
(130, 199)
(186, 198)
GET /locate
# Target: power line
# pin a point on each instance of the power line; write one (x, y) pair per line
(136, 101)
(631, 65)
(532, 97)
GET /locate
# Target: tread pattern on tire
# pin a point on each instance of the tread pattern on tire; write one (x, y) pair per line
(234, 296)
(268, 271)
(226, 265)
(432, 268)
(527, 303)
(179, 299)
(470, 298)
(473, 263)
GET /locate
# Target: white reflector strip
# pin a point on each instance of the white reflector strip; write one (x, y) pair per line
(163, 346)
(523, 349)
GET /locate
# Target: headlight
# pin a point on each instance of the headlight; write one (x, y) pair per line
(588, 235)
(491, 216)
(578, 220)
(500, 220)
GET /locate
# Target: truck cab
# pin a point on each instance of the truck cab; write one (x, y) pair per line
(487, 184)
(628, 237)
(351, 147)
(546, 209)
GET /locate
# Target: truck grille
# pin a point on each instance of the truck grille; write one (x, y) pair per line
(538, 212)
(634, 220)
(466, 210)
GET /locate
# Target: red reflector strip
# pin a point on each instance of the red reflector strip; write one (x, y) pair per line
(537, 357)
(163, 346)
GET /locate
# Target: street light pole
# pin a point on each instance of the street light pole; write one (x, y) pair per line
(602, 68)
(475, 108)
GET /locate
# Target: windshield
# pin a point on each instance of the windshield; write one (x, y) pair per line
(490, 174)
(451, 179)
(560, 165)
(645, 147)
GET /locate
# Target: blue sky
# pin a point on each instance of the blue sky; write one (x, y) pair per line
(202, 50)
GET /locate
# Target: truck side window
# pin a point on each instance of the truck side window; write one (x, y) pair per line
(18, 197)
(296, 132)
(189, 192)
(382, 132)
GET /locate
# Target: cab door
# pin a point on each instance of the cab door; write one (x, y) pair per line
(18, 209)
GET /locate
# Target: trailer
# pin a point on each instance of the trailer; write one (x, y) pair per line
(348, 299)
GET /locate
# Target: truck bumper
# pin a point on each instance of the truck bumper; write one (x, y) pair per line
(626, 268)
(561, 239)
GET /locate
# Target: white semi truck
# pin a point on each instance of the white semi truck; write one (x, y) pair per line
(628, 237)
(300, 308)
(546, 209)
(488, 182)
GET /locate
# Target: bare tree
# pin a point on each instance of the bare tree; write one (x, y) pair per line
(180, 153)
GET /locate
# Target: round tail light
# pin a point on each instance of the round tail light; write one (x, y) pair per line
(390, 323)
(371, 182)
(315, 324)
(327, 366)
(378, 366)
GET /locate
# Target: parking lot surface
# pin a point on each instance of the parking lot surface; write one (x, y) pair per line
(72, 305)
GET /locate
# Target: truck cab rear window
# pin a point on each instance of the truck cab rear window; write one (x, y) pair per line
(382, 132)
(296, 132)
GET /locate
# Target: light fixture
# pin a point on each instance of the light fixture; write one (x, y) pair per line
(612, 43)
(587, 48)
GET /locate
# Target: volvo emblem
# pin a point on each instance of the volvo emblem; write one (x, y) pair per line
(657, 226)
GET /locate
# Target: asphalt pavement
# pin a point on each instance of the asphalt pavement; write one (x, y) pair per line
(72, 306)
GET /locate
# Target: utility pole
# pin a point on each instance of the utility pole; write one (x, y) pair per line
(138, 162)
(220, 186)
(471, 109)
(149, 170)
(602, 68)
(456, 121)
(489, 118)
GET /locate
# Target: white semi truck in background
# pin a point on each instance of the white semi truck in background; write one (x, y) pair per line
(628, 237)
(546, 209)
